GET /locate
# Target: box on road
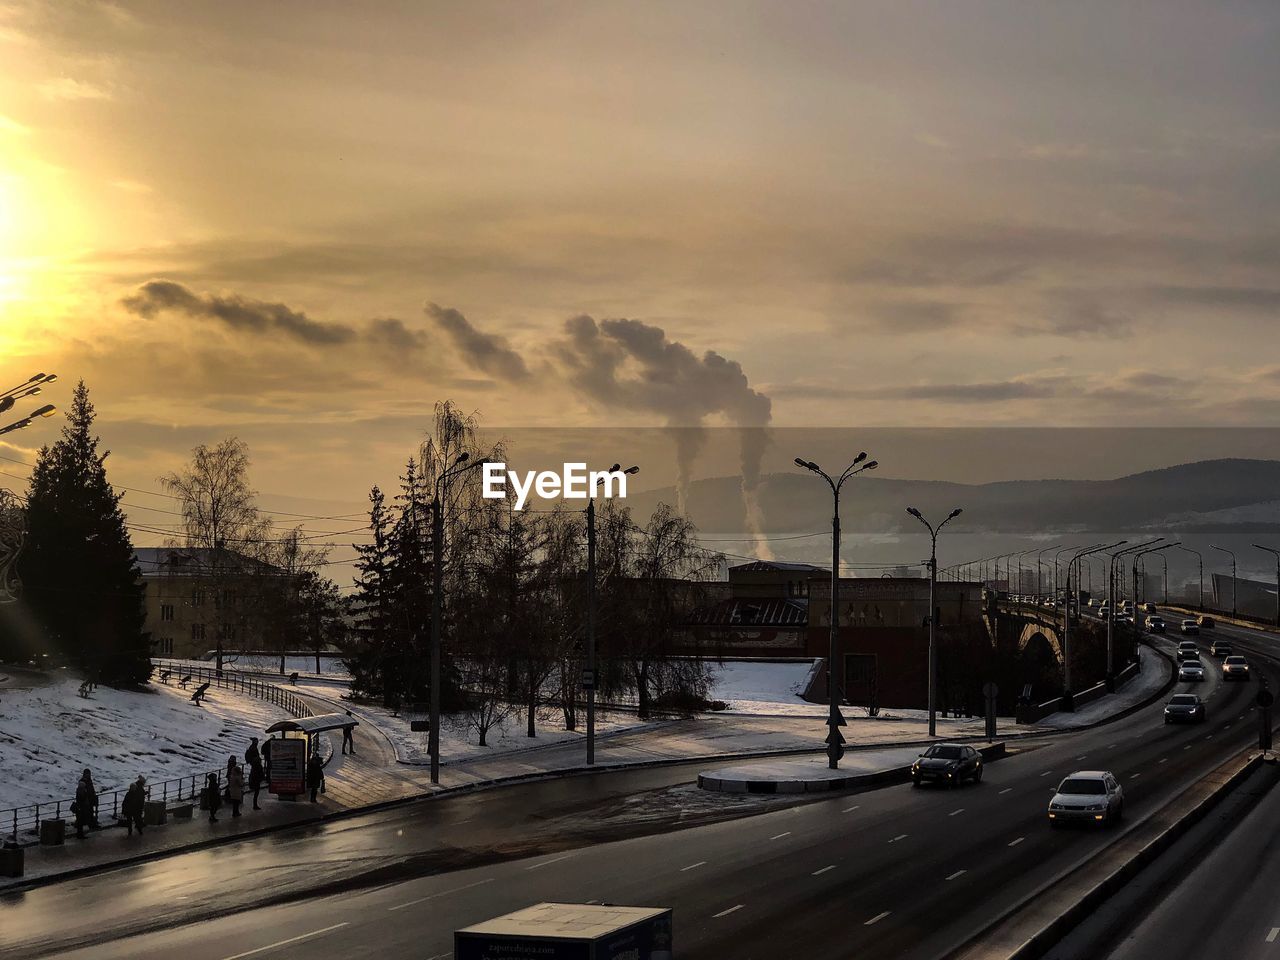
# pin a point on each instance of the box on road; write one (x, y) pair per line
(569, 931)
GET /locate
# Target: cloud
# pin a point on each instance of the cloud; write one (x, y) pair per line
(995, 391)
(68, 88)
(131, 186)
(916, 316)
(1221, 296)
(488, 352)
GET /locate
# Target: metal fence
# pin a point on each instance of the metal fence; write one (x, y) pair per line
(23, 823)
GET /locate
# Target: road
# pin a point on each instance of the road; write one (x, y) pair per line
(895, 872)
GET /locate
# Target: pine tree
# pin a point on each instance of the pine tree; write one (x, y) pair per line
(372, 600)
(83, 586)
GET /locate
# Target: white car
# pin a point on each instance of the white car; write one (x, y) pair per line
(1190, 627)
(1235, 667)
(1191, 671)
(1087, 795)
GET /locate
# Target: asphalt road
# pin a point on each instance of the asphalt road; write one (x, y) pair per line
(895, 872)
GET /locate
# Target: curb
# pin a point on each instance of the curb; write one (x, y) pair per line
(1043, 939)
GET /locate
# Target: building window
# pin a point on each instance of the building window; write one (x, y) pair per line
(197, 597)
(197, 631)
(166, 612)
(166, 645)
(228, 631)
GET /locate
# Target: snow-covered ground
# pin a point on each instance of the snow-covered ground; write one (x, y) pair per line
(764, 688)
(49, 734)
(331, 665)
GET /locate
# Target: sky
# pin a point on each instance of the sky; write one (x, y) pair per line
(306, 222)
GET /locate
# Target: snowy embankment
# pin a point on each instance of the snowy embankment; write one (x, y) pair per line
(764, 689)
(49, 734)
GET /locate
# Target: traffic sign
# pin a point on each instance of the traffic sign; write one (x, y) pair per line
(835, 736)
(1265, 698)
(838, 720)
(588, 679)
(990, 690)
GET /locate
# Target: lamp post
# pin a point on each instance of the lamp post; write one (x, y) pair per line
(1275, 553)
(1057, 580)
(1039, 577)
(1233, 574)
(1021, 591)
(1199, 565)
(591, 613)
(1111, 605)
(460, 465)
(1066, 613)
(933, 607)
(1140, 558)
(834, 720)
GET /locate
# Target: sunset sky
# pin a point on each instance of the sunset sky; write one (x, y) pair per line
(306, 222)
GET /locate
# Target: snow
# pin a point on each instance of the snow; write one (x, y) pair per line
(772, 689)
(331, 665)
(1154, 673)
(49, 734)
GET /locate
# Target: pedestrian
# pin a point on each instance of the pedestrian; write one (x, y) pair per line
(213, 796)
(348, 741)
(231, 764)
(83, 805)
(266, 757)
(315, 775)
(252, 756)
(235, 789)
(255, 783)
(133, 805)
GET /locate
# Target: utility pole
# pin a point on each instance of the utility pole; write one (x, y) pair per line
(1275, 553)
(1233, 574)
(933, 608)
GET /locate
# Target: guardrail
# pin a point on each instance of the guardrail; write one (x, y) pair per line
(24, 822)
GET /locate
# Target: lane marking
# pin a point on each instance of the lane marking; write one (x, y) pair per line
(1271, 937)
(954, 812)
(441, 956)
(547, 863)
(700, 863)
(1164, 759)
(876, 919)
(781, 835)
(1082, 756)
(1014, 843)
(1005, 790)
(725, 913)
(823, 870)
(956, 874)
(1112, 746)
(1046, 773)
(282, 943)
(1187, 747)
(1135, 776)
(442, 893)
(901, 836)
(1209, 737)
(856, 806)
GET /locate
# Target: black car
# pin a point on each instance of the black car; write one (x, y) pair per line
(947, 763)
(1184, 708)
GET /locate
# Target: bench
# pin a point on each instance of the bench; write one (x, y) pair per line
(164, 676)
(184, 681)
(200, 693)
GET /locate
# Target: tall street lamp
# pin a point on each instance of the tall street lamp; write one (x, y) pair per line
(933, 607)
(591, 612)
(460, 465)
(834, 721)
(1066, 612)
(1199, 566)
(1233, 574)
(1275, 553)
(1111, 605)
(1039, 576)
(1022, 592)
(1139, 560)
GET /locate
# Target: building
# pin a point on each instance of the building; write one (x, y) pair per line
(763, 611)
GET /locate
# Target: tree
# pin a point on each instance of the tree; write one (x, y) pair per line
(220, 516)
(83, 586)
(372, 603)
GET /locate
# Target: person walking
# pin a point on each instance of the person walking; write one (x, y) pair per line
(315, 776)
(235, 788)
(252, 755)
(213, 795)
(266, 757)
(348, 740)
(133, 805)
(255, 783)
(85, 804)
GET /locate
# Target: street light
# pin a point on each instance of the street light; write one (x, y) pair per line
(1200, 566)
(1022, 592)
(460, 465)
(1275, 553)
(1066, 612)
(1111, 604)
(933, 606)
(1039, 585)
(1139, 557)
(834, 720)
(48, 410)
(1233, 574)
(591, 610)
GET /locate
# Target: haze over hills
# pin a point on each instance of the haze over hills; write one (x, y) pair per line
(1232, 495)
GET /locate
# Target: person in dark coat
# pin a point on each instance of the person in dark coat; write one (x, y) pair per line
(235, 789)
(214, 795)
(315, 776)
(266, 757)
(348, 740)
(85, 805)
(252, 756)
(255, 783)
(132, 806)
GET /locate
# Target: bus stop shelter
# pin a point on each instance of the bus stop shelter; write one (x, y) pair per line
(294, 746)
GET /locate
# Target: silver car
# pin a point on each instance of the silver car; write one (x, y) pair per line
(1191, 671)
(1093, 796)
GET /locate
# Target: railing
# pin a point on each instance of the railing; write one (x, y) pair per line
(25, 821)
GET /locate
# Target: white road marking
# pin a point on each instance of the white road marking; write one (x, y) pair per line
(282, 943)
(1082, 756)
(851, 809)
(781, 835)
(725, 913)
(1187, 747)
(1135, 776)
(1046, 773)
(1014, 843)
(547, 863)
(1164, 759)
(441, 956)
(954, 812)
(901, 836)
(956, 874)
(1271, 937)
(442, 893)
(700, 863)
(824, 870)
(876, 919)
(1112, 746)
(1006, 790)
(1209, 737)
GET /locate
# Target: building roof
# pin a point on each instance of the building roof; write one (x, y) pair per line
(753, 613)
(193, 561)
(761, 566)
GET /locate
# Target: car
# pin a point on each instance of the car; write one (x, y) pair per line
(1156, 624)
(1189, 648)
(947, 763)
(1184, 708)
(1124, 618)
(1191, 671)
(1220, 648)
(1093, 601)
(1190, 627)
(1094, 796)
(1205, 623)
(1235, 667)
(1149, 608)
